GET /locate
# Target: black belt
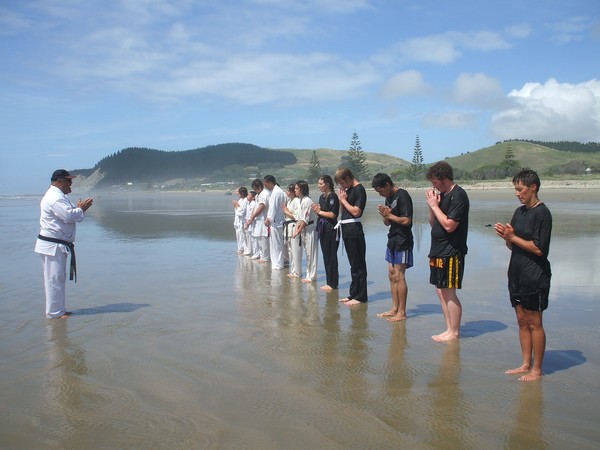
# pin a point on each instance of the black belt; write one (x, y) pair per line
(71, 246)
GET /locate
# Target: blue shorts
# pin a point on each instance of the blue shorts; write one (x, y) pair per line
(402, 257)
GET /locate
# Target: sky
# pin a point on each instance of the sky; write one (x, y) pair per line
(83, 79)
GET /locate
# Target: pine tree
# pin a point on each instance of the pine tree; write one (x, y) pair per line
(417, 159)
(509, 158)
(356, 159)
(314, 169)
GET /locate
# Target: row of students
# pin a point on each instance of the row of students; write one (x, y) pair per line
(527, 236)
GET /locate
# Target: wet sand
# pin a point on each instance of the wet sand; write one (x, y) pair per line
(177, 342)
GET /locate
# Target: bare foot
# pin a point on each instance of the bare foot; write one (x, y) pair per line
(532, 375)
(293, 275)
(262, 261)
(397, 318)
(307, 280)
(326, 288)
(523, 369)
(352, 302)
(444, 337)
(66, 315)
(389, 313)
(344, 300)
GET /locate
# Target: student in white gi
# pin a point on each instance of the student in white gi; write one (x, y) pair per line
(294, 246)
(239, 207)
(251, 246)
(274, 220)
(55, 241)
(261, 229)
(306, 228)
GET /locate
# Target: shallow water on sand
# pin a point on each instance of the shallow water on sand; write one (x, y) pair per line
(177, 342)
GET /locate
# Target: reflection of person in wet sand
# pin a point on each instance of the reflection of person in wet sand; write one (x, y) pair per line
(397, 214)
(528, 238)
(449, 218)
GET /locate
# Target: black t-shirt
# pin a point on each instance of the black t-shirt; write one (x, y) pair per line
(329, 203)
(527, 272)
(455, 204)
(400, 237)
(357, 196)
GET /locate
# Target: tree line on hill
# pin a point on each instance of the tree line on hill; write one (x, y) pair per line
(136, 164)
(567, 146)
(235, 161)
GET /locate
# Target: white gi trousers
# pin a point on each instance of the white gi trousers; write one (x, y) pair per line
(55, 278)
(263, 247)
(309, 242)
(276, 247)
(240, 235)
(295, 252)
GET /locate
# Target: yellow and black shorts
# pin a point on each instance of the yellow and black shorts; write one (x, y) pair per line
(447, 273)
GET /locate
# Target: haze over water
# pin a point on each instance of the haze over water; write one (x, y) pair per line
(177, 342)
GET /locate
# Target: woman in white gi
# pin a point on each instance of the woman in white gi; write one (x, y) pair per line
(239, 207)
(294, 246)
(55, 241)
(306, 228)
(261, 230)
(251, 248)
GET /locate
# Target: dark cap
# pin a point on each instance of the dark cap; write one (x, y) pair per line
(61, 173)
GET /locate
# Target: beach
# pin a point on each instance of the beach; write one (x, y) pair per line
(177, 342)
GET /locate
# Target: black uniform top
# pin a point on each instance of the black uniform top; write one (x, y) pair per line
(455, 204)
(328, 203)
(400, 237)
(527, 272)
(357, 196)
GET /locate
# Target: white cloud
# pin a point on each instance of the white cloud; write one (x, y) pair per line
(571, 29)
(445, 48)
(453, 119)
(519, 31)
(335, 6)
(406, 83)
(267, 78)
(478, 89)
(551, 111)
(439, 49)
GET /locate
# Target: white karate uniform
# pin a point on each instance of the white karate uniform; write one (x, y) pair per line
(276, 218)
(251, 248)
(261, 231)
(57, 220)
(293, 244)
(309, 237)
(238, 223)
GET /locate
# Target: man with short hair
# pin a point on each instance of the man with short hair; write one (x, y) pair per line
(353, 199)
(449, 218)
(56, 239)
(397, 214)
(274, 220)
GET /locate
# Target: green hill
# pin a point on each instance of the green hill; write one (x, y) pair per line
(544, 159)
(227, 165)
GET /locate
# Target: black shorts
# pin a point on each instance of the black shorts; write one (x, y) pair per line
(447, 273)
(536, 301)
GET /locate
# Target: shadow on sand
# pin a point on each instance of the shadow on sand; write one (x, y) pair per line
(480, 327)
(112, 308)
(424, 310)
(556, 360)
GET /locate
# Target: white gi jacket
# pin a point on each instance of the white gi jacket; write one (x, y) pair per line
(57, 220)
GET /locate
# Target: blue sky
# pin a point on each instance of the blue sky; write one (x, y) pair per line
(83, 79)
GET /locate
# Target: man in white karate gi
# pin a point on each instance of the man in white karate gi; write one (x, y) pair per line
(274, 220)
(56, 240)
